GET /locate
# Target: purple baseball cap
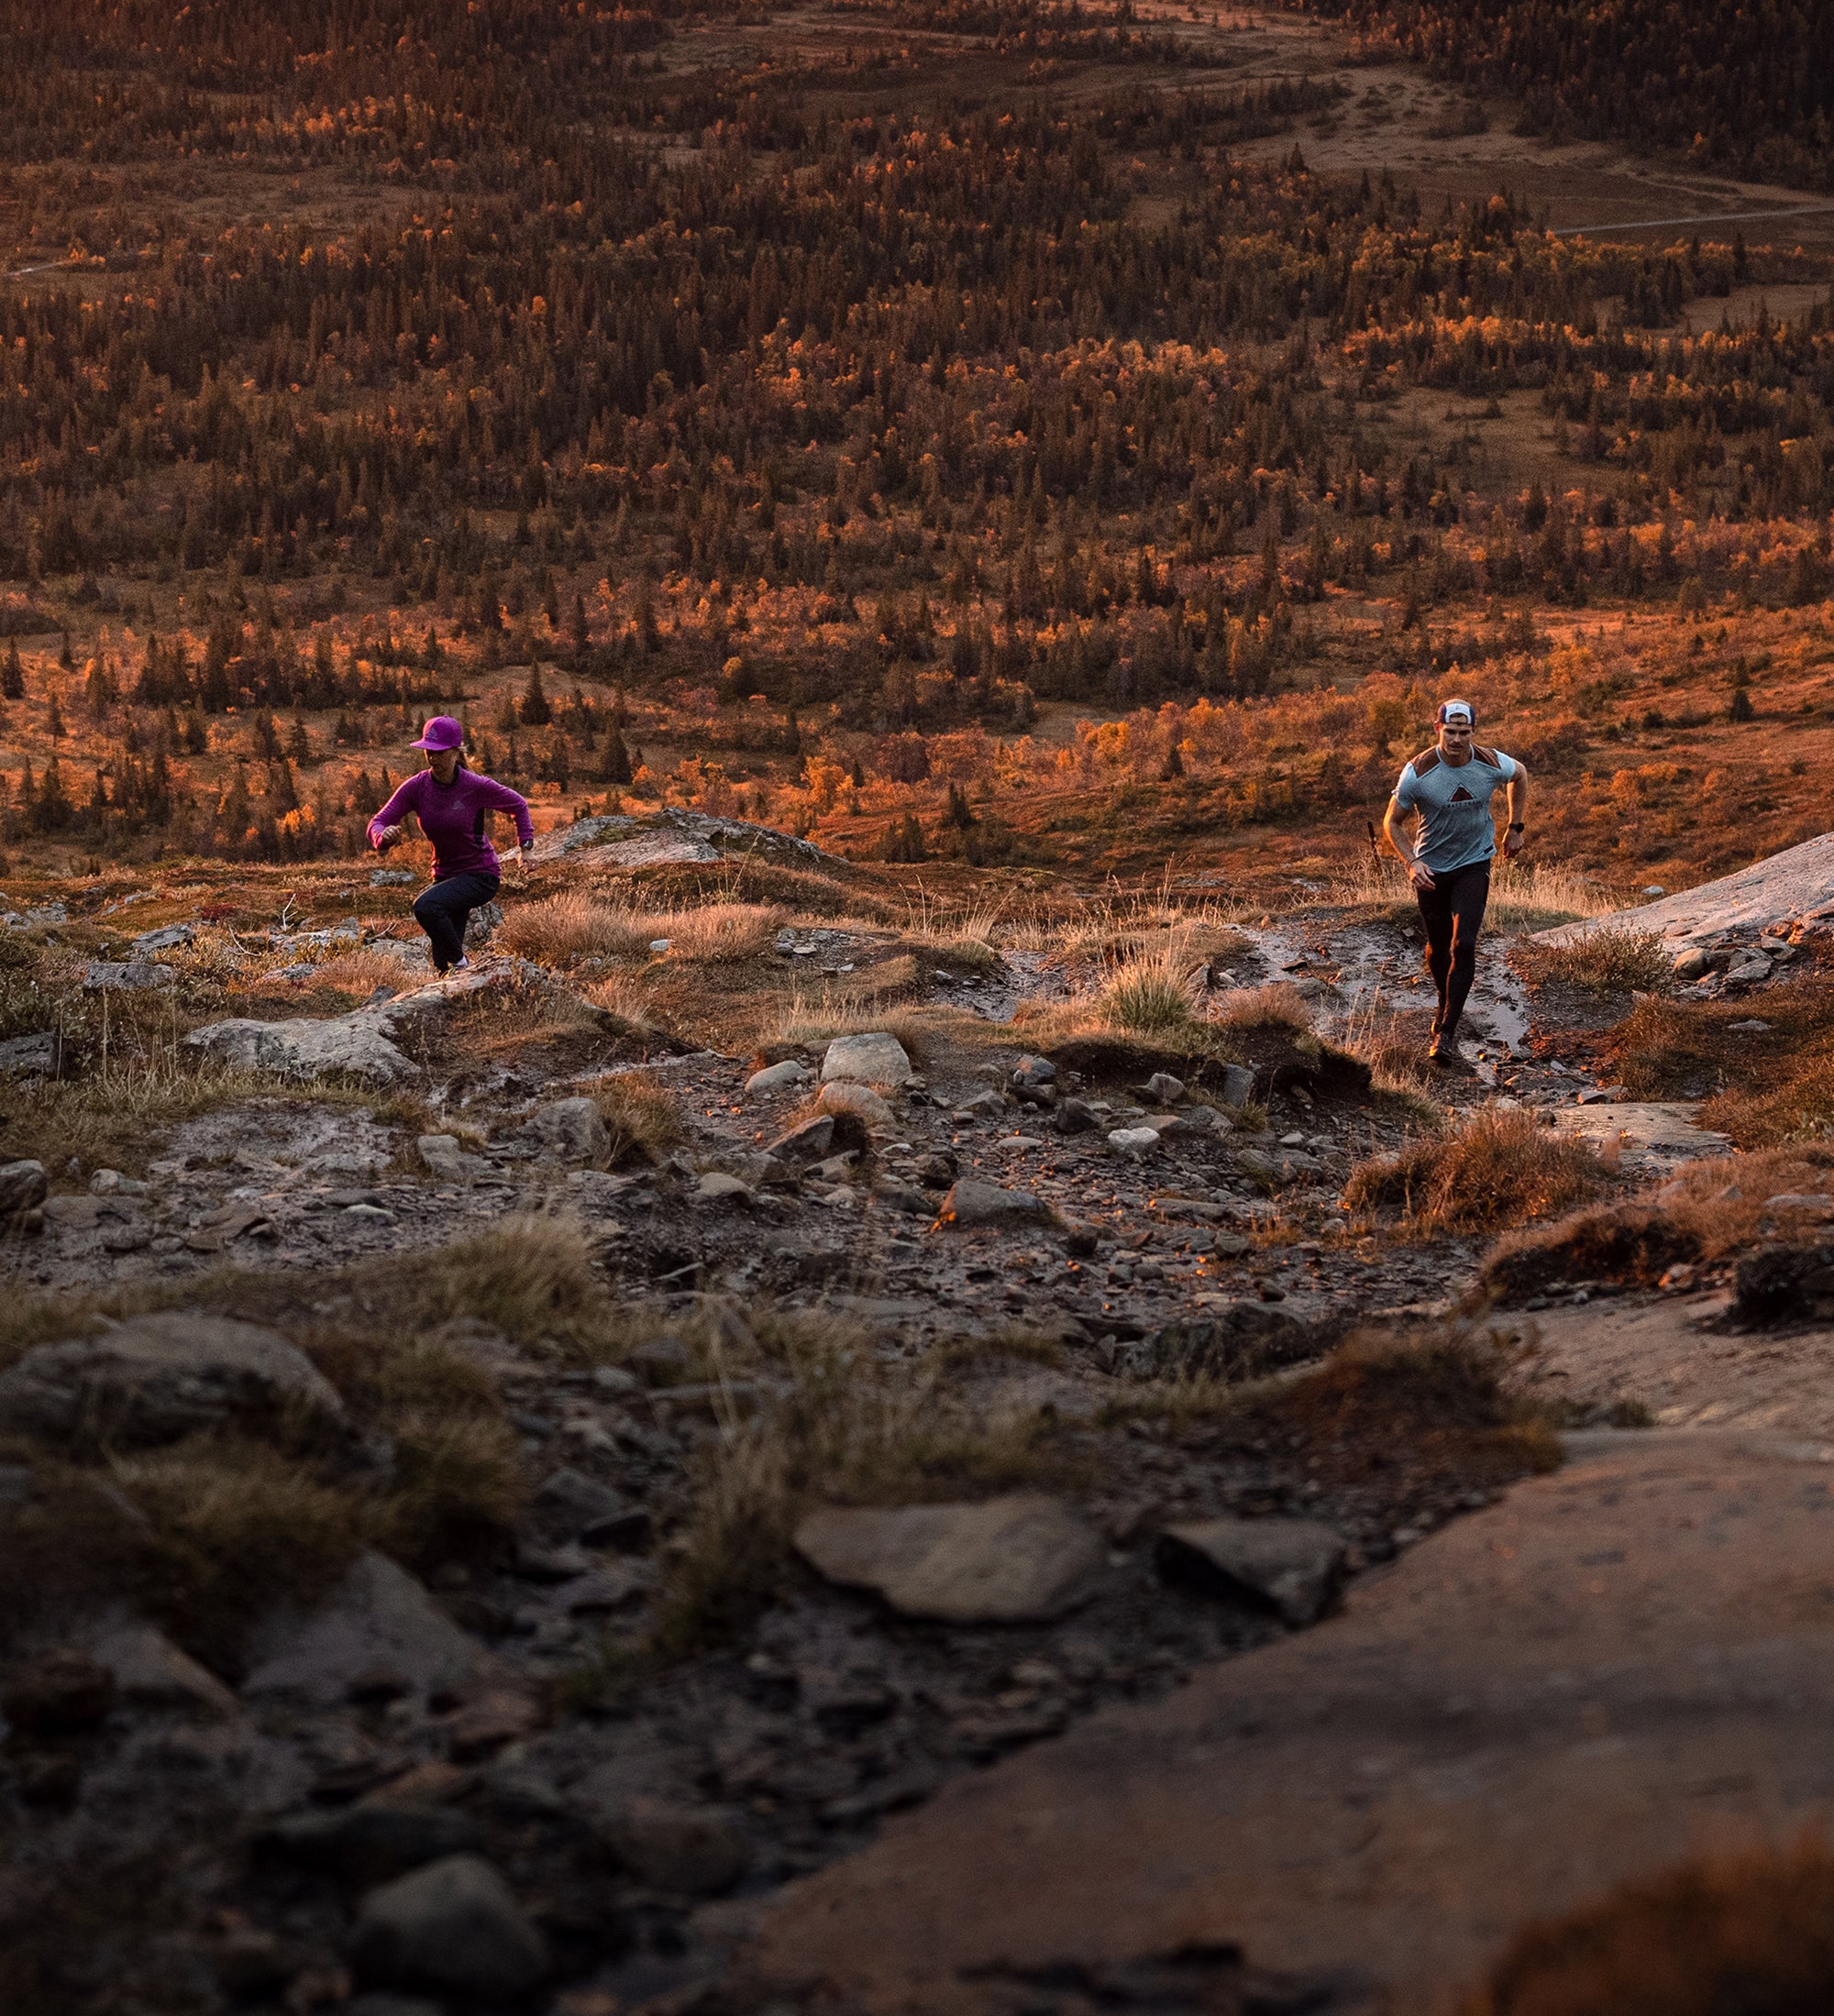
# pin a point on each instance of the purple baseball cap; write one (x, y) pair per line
(441, 733)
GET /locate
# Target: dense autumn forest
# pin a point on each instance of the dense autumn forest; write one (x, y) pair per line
(797, 423)
(1744, 85)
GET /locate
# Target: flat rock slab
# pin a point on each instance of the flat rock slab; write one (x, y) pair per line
(1794, 883)
(1665, 1129)
(1022, 1559)
(1616, 1664)
(1664, 1354)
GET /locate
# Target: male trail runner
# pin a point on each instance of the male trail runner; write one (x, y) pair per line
(1450, 787)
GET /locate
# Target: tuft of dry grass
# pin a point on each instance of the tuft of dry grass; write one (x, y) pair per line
(718, 934)
(1150, 993)
(1500, 1168)
(200, 1535)
(1277, 1005)
(1397, 1059)
(645, 1122)
(118, 1114)
(560, 930)
(1751, 1932)
(460, 1482)
(361, 972)
(1604, 962)
(1711, 1211)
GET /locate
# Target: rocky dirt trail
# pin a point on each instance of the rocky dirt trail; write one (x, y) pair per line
(1009, 1261)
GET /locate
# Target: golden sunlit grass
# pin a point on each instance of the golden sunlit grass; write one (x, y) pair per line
(1499, 1168)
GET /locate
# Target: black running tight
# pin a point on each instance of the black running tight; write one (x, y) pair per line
(1453, 910)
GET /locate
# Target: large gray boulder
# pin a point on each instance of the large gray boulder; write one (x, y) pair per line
(1022, 1559)
(875, 1058)
(158, 1378)
(453, 1926)
(650, 839)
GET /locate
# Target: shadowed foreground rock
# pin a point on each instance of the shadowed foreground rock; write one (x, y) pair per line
(1617, 1665)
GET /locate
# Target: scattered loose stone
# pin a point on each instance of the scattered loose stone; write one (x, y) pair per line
(150, 1671)
(787, 1076)
(1238, 1084)
(815, 1140)
(454, 1925)
(1134, 1141)
(22, 1186)
(168, 938)
(970, 1202)
(877, 1058)
(689, 1851)
(1022, 1559)
(371, 1842)
(717, 1187)
(1074, 1116)
(573, 1128)
(1293, 1564)
(379, 1617)
(1162, 1089)
(449, 1161)
(104, 976)
(841, 1095)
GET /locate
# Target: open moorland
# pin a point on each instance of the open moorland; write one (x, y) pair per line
(910, 1396)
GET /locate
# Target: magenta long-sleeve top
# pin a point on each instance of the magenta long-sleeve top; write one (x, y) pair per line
(452, 817)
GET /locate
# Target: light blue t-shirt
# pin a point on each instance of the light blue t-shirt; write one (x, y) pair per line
(1453, 805)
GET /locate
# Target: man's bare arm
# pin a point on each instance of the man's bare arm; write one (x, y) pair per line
(1519, 804)
(1392, 821)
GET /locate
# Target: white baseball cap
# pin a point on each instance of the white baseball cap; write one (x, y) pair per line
(1456, 714)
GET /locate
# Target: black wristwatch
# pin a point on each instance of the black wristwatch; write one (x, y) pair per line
(1516, 826)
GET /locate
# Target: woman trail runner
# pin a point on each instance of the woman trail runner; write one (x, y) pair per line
(452, 804)
(1450, 787)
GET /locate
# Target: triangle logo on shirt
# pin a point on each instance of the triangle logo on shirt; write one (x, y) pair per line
(1463, 797)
